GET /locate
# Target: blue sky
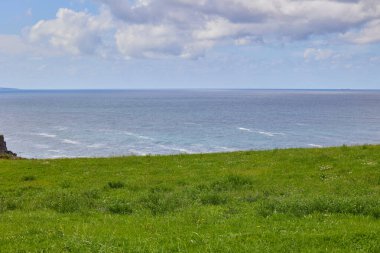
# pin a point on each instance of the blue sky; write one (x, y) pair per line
(141, 44)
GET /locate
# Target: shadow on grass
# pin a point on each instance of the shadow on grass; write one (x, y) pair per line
(300, 207)
(116, 185)
(120, 207)
(28, 178)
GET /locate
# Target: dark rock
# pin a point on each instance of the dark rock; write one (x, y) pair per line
(3, 148)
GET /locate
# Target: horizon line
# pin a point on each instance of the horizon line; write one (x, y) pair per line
(168, 89)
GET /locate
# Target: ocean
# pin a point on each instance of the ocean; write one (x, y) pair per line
(55, 124)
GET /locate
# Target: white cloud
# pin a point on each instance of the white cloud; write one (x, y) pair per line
(317, 54)
(17, 45)
(370, 33)
(73, 32)
(187, 28)
(149, 41)
(12, 44)
(157, 41)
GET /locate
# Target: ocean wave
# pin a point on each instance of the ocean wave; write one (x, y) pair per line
(266, 133)
(124, 132)
(96, 145)
(138, 136)
(315, 145)
(181, 150)
(54, 151)
(270, 134)
(47, 135)
(59, 156)
(68, 141)
(244, 129)
(224, 149)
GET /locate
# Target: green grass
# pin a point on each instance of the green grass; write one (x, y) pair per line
(295, 200)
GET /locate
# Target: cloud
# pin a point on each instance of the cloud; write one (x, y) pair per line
(317, 54)
(73, 32)
(158, 41)
(370, 33)
(17, 45)
(188, 28)
(12, 44)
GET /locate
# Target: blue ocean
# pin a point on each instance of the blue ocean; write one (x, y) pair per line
(54, 124)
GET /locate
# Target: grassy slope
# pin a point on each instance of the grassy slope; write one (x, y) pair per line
(283, 200)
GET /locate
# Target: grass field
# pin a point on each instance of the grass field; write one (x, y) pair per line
(295, 200)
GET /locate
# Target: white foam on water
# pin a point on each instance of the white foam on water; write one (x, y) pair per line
(225, 149)
(138, 136)
(47, 135)
(270, 134)
(54, 150)
(244, 129)
(144, 137)
(266, 133)
(181, 150)
(96, 145)
(59, 156)
(68, 141)
(315, 145)
(163, 146)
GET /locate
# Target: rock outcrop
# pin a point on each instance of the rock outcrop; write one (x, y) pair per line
(3, 148)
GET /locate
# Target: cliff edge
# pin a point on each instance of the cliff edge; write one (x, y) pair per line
(3, 148)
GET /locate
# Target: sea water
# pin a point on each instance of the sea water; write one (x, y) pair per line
(52, 124)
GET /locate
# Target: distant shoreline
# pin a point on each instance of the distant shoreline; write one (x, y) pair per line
(8, 89)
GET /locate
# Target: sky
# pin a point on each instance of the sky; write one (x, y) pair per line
(176, 44)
